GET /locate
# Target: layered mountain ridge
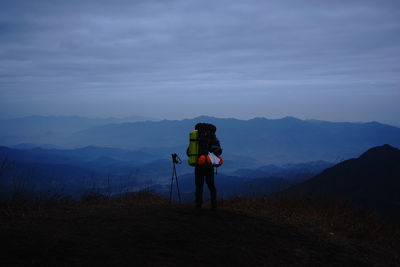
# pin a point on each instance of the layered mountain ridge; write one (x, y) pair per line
(258, 141)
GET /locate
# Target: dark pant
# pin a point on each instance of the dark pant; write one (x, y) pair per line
(206, 173)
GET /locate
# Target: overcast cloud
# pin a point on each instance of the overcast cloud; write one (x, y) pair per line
(331, 60)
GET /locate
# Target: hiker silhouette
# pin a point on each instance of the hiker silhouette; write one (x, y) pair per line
(208, 152)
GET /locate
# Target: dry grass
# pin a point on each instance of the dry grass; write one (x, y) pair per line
(45, 205)
(322, 216)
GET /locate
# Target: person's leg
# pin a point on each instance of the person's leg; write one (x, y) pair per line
(199, 180)
(211, 186)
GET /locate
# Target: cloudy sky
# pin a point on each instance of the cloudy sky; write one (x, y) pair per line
(174, 59)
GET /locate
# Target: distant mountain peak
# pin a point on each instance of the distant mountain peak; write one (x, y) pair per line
(204, 117)
(290, 118)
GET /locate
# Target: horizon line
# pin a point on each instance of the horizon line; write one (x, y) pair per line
(140, 118)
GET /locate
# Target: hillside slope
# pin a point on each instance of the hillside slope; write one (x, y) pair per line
(372, 180)
(143, 231)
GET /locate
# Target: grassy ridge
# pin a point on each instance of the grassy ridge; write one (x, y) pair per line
(322, 216)
(145, 230)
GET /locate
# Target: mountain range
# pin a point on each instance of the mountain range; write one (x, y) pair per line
(49, 130)
(246, 143)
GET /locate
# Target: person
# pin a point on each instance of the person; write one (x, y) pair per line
(204, 169)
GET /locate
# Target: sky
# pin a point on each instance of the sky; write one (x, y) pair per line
(175, 59)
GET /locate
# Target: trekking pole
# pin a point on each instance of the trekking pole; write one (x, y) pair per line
(174, 176)
(177, 186)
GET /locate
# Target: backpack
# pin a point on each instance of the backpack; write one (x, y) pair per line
(203, 141)
(208, 141)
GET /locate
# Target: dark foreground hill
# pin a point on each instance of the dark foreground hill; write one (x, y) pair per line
(371, 180)
(144, 230)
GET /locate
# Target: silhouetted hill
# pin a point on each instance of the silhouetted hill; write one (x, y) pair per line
(371, 180)
(144, 230)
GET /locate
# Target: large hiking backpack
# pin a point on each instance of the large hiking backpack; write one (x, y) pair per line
(203, 141)
(207, 137)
